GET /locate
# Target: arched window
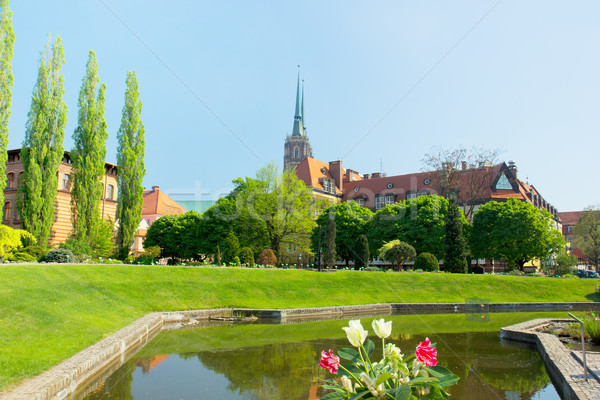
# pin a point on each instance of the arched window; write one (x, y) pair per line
(110, 192)
(20, 178)
(7, 211)
(10, 180)
(296, 152)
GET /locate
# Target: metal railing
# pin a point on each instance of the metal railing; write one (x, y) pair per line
(585, 374)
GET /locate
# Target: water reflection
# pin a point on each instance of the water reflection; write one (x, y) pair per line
(222, 363)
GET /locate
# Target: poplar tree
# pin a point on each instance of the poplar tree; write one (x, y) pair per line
(330, 255)
(7, 42)
(455, 258)
(42, 150)
(130, 160)
(88, 155)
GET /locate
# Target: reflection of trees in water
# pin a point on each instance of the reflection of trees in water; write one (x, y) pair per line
(117, 386)
(277, 371)
(488, 369)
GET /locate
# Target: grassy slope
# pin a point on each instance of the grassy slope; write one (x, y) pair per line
(48, 313)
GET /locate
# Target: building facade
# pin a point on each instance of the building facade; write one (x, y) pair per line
(297, 146)
(62, 226)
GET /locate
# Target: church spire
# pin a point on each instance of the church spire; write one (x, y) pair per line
(302, 111)
(298, 129)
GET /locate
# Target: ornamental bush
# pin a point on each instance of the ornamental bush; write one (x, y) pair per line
(60, 256)
(21, 257)
(247, 256)
(267, 257)
(427, 262)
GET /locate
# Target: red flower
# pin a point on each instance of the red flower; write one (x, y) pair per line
(329, 361)
(426, 354)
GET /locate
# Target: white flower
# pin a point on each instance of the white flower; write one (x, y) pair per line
(355, 333)
(347, 384)
(382, 329)
(375, 391)
(392, 352)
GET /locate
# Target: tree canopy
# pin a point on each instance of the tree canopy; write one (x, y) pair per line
(587, 234)
(419, 222)
(397, 252)
(7, 44)
(514, 231)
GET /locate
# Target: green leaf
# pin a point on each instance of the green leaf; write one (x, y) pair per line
(333, 396)
(444, 375)
(369, 347)
(351, 368)
(349, 354)
(403, 392)
(383, 377)
(359, 395)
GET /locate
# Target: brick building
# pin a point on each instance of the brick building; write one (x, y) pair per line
(62, 227)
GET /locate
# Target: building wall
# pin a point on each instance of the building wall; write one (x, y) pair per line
(62, 226)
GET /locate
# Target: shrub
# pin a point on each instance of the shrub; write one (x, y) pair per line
(151, 251)
(516, 272)
(247, 256)
(236, 261)
(36, 251)
(21, 256)
(267, 258)
(373, 269)
(60, 256)
(397, 252)
(78, 247)
(426, 262)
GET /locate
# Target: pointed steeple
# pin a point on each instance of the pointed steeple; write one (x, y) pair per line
(298, 129)
(302, 111)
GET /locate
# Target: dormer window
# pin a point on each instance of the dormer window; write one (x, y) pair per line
(503, 183)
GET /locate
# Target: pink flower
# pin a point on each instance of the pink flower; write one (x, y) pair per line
(426, 354)
(329, 361)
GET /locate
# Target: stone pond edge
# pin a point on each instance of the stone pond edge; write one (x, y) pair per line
(561, 363)
(65, 380)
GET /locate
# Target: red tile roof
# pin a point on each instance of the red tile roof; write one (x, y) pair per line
(310, 170)
(157, 202)
(570, 217)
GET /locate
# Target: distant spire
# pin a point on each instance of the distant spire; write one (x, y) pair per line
(298, 129)
(302, 111)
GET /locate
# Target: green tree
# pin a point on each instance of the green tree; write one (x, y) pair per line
(562, 264)
(11, 239)
(587, 234)
(130, 160)
(419, 222)
(230, 248)
(514, 231)
(329, 255)
(397, 252)
(247, 256)
(361, 252)
(169, 234)
(7, 43)
(455, 258)
(89, 154)
(350, 222)
(42, 150)
(427, 262)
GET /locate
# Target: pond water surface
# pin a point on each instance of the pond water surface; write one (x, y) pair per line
(279, 361)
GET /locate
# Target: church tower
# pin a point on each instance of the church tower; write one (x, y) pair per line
(297, 147)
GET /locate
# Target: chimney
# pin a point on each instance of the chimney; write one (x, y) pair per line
(154, 187)
(376, 175)
(366, 176)
(512, 167)
(337, 173)
(464, 165)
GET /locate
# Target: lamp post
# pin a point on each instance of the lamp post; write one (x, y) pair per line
(300, 260)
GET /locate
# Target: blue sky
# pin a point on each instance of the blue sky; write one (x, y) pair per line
(384, 82)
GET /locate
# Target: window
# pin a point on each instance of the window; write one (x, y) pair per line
(17, 216)
(326, 185)
(7, 211)
(379, 202)
(451, 195)
(65, 184)
(10, 181)
(389, 199)
(360, 202)
(20, 178)
(571, 228)
(110, 192)
(503, 183)
(411, 195)
(296, 152)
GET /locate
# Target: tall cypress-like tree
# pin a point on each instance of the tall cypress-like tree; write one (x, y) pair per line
(361, 252)
(7, 43)
(89, 155)
(455, 259)
(330, 255)
(130, 160)
(43, 150)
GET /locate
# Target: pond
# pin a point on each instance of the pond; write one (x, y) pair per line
(279, 361)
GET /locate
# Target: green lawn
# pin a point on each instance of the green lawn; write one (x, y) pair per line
(49, 312)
